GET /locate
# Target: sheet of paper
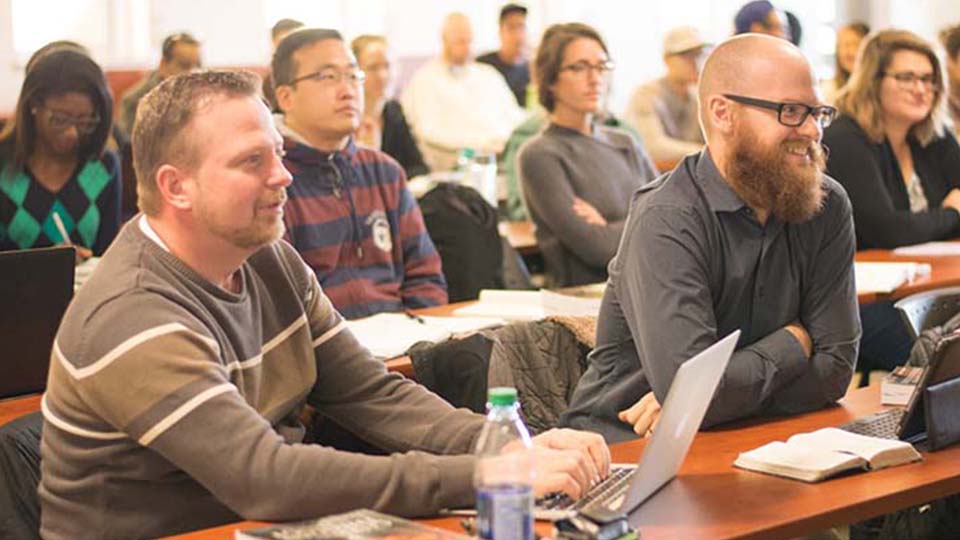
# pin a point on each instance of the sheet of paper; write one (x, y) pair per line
(930, 249)
(388, 335)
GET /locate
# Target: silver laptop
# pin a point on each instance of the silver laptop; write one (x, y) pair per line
(681, 415)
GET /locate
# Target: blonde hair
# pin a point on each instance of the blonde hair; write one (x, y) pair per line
(860, 97)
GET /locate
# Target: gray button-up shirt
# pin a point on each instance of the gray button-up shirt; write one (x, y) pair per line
(693, 265)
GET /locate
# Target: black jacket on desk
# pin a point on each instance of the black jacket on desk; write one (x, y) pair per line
(871, 175)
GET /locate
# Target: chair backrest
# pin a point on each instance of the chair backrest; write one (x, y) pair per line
(463, 227)
(19, 478)
(928, 309)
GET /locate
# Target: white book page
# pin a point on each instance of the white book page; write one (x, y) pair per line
(879, 452)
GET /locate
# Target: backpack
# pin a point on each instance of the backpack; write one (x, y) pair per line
(463, 227)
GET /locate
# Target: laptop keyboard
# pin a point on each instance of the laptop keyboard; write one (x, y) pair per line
(602, 494)
(883, 424)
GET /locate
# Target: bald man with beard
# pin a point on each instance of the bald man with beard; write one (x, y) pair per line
(748, 234)
(454, 102)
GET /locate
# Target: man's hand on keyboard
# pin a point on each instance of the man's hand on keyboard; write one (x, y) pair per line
(569, 461)
(643, 415)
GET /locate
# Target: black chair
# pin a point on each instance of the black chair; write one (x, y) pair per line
(928, 309)
(20, 474)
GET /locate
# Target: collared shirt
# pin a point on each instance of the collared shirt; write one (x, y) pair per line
(694, 264)
(455, 107)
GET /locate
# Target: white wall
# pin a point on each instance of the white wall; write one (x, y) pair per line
(127, 33)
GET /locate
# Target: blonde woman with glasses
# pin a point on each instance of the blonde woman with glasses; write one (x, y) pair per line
(900, 165)
(890, 147)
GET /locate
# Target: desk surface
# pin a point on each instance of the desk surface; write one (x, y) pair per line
(520, 235)
(712, 499)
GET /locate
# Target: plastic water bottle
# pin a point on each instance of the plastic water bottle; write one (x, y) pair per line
(504, 475)
(465, 160)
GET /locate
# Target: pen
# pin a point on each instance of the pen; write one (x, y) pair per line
(415, 317)
(61, 229)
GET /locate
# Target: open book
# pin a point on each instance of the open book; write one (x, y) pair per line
(535, 305)
(812, 457)
(884, 277)
(356, 525)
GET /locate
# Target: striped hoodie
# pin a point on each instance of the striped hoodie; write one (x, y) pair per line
(352, 218)
(172, 405)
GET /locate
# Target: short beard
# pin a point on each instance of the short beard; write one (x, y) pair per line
(765, 179)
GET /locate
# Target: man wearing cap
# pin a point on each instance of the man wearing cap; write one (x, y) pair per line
(664, 110)
(761, 17)
(511, 59)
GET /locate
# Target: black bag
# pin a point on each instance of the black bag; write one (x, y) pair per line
(463, 226)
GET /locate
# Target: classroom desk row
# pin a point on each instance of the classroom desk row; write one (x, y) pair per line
(712, 499)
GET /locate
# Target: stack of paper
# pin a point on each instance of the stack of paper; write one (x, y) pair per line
(509, 305)
(884, 277)
(930, 249)
(388, 335)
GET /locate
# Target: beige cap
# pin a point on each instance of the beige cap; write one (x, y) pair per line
(683, 39)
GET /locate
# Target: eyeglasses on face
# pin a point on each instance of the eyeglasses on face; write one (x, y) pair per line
(791, 114)
(61, 121)
(333, 76)
(581, 69)
(907, 80)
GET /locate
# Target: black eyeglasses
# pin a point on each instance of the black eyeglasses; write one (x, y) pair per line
(582, 68)
(332, 76)
(791, 114)
(907, 80)
(61, 121)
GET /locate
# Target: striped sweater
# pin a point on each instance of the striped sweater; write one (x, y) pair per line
(352, 218)
(172, 405)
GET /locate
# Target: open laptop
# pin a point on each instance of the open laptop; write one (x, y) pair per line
(682, 413)
(35, 287)
(909, 423)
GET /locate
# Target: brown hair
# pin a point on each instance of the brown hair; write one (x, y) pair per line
(841, 75)
(163, 115)
(860, 97)
(549, 58)
(360, 43)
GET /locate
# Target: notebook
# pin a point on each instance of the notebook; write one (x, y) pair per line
(389, 335)
(682, 413)
(35, 287)
(824, 453)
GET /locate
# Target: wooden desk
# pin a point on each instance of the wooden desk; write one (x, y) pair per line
(945, 272)
(13, 408)
(521, 236)
(712, 499)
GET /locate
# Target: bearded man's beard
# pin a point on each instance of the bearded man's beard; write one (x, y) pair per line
(764, 177)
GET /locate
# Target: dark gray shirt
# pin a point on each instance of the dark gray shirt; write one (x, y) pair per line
(694, 265)
(604, 170)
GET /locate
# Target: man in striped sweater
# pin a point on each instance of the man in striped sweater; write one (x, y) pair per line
(350, 214)
(181, 367)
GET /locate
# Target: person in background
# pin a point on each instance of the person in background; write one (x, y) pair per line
(664, 110)
(748, 235)
(384, 127)
(577, 176)
(183, 365)
(180, 53)
(280, 30)
(893, 153)
(453, 102)
(511, 59)
(53, 164)
(350, 213)
(950, 37)
(761, 17)
(849, 37)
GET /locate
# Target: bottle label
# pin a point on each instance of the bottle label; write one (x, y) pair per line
(505, 512)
